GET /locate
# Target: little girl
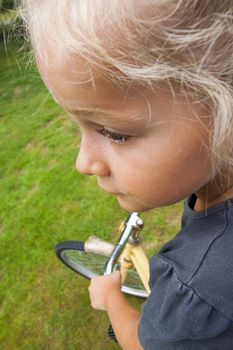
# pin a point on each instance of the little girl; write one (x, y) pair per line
(150, 84)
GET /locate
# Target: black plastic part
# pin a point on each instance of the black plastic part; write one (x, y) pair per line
(111, 334)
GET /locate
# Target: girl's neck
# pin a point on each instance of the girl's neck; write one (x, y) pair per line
(216, 191)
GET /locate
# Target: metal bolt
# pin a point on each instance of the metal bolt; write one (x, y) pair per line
(139, 224)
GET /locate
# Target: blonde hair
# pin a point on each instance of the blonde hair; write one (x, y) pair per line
(184, 43)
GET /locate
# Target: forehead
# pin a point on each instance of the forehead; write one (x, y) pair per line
(84, 91)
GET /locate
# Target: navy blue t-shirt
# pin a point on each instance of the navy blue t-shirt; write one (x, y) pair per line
(191, 279)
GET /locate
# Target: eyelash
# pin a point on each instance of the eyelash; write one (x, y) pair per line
(114, 136)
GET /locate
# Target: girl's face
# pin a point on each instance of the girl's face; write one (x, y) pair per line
(144, 147)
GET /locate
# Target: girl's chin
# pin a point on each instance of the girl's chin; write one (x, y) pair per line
(131, 205)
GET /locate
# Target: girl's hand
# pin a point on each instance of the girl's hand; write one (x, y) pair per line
(101, 286)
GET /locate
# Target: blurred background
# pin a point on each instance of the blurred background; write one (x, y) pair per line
(43, 200)
(6, 14)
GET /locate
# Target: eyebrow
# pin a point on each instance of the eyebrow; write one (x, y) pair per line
(94, 112)
(131, 124)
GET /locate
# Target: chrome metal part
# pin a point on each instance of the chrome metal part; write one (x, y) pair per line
(132, 225)
(140, 224)
(135, 240)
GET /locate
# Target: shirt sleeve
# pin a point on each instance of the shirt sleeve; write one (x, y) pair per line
(174, 312)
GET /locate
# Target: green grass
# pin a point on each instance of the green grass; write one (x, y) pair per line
(43, 200)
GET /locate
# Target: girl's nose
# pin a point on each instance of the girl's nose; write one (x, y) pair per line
(90, 161)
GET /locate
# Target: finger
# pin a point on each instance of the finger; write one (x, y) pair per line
(116, 276)
(117, 273)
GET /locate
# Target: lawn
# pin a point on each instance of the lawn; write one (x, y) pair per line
(43, 200)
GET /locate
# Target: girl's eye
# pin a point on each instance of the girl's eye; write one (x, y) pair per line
(114, 136)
